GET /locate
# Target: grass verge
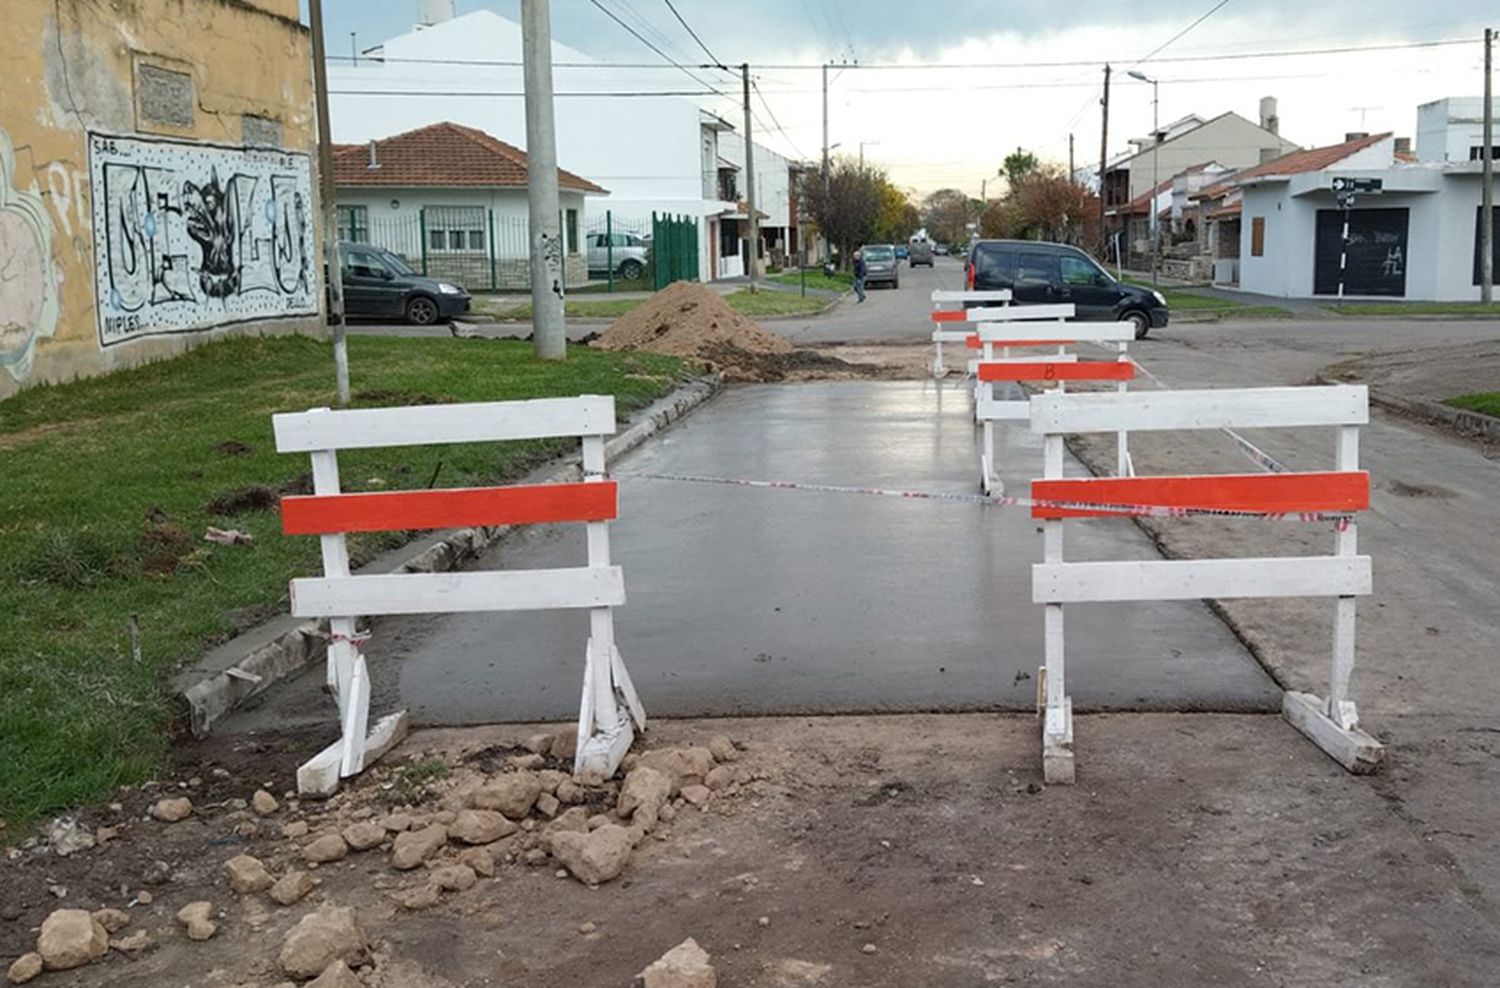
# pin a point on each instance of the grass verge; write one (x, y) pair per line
(1399, 309)
(1484, 402)
(840, 282)
(110, 483)
(767, 303)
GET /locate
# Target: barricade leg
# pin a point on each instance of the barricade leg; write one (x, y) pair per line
(1123, 466)
(1333, 725)
(1057, 714)
(938, 370)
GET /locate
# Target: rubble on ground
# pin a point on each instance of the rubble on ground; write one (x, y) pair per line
(686, 965)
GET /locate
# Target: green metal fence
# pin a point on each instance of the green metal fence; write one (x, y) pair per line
(674, 250)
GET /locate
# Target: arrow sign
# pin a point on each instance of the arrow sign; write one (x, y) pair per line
(1343, 184)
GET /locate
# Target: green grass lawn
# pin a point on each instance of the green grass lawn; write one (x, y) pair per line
(1416, 309)
(840, 282)
(1484, 402)
(766, 303)
(109, 484)
(1189, 300)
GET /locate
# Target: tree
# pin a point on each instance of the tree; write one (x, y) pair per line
(1017, 164)
(946, 215)
(1050, 204)
(848, 210)
(898, 218)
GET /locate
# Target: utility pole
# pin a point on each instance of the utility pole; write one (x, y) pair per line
(1072, 172)
(1487, 181)
(333, 271)
(1153, 221)
(825, 161)
(549, 335)
(1103, 159)
(753, 260)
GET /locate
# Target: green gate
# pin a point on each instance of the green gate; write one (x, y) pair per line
(674, 250)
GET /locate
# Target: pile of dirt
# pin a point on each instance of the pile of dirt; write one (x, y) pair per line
(687, 320)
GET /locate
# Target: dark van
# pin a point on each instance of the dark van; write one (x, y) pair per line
(1037, 273)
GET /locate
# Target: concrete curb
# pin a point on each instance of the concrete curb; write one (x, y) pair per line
(1469, 425)
(249, 664)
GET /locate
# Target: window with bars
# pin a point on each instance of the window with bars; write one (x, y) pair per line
(571, 230)
(455, 229)
(354, 224)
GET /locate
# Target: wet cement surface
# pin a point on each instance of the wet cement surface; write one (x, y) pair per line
(753, 601)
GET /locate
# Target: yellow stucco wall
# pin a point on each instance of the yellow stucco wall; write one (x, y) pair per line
(134, 221)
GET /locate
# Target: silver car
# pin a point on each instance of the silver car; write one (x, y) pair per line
(628, 255)
(881, 265)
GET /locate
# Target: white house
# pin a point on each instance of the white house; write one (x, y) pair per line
(775, 198)
(655, 154)
(1452, 129)
(1415, 239)
(452, 201)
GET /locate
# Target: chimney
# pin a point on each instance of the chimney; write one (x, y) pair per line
(430, 12)
(1403, 145)
(374, 161)
(1268, 117)
(1355, 135)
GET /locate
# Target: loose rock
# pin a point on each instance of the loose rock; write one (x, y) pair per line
(319, 939)
(138, 941)
(550, 779)
(723, 749)
(595, 857)
(71, 938)
(263, 803)
(197, 917)
(569, 792)
(696, 795)
(336, 975)
(329, 847)
(364, 835)
(684, 966)
(513, 795)
(564, 744)
(722, 777)
(26, 967)
(641, 797)
(423, 896)
(113, 920)
(295, 829)
(480, 859)
(415, 846)
(480, 827)
(574, 818)
(292, 887)
(547, 805)
(453, 878)
(531, 762)
(538, 744)
(684, 765)
(397, 822)
(173, 810)
(247, 875)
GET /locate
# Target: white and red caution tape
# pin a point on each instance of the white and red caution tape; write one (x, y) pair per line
(1005, 501)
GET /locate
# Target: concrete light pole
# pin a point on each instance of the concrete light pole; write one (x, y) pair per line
(549, 335)
(334, 274)
(1155, 144)
(1487, 181)
(752, 261)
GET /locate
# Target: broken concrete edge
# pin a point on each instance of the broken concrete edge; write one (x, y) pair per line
(1464, 423)
(250, 663)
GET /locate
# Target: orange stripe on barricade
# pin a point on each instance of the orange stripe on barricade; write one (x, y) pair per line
(1272, 493)
(949, 315)
(1095, 370)
(973, 342)
(395, 511)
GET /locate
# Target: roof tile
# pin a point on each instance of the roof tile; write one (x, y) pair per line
(442, 155)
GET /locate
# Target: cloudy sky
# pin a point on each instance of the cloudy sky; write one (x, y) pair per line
(984, 77)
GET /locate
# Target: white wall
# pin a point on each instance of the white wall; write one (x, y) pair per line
(1440, 208)
(772, 182)
(647, 152)
(1447, 128)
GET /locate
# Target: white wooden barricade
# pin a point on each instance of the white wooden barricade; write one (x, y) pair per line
(604, 732)
(1331, 724)
(949, 320)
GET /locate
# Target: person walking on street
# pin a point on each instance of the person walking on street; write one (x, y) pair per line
(859, 274)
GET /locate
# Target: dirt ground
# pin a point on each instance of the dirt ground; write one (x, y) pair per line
(1434, 373)
(1195, 850)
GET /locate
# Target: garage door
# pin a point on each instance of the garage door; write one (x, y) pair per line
(1377, 252)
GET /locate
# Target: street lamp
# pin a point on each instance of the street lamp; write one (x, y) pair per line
(1155, 143)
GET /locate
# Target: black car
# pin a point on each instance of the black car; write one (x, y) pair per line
(379, 284)
(1037, 272)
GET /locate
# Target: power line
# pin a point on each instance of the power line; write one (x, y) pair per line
(777, 123)
(927, 66)
(599, 94)
(643, 40)
(1163, 46)
(718, 63)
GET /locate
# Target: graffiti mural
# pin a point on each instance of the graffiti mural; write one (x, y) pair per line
(28, 278)
(191, 236)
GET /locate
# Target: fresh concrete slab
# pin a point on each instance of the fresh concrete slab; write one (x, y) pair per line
(754, 601)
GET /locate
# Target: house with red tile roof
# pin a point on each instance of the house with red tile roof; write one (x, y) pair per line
(1411, 232)
(452, 202)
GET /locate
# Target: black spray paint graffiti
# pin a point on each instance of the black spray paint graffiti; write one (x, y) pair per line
(193, 236)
